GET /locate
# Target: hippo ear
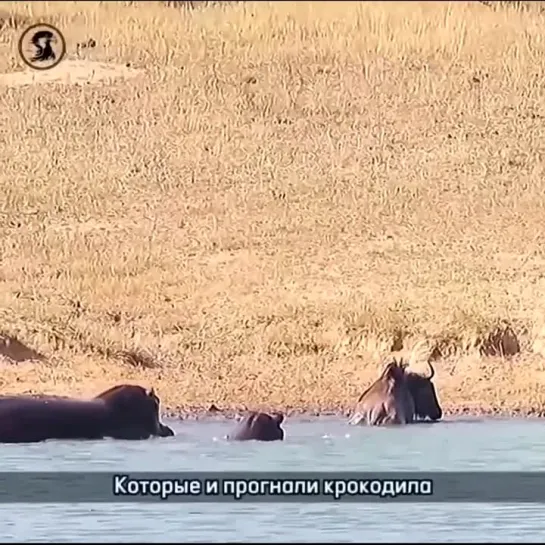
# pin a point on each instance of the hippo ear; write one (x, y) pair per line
(151, 392)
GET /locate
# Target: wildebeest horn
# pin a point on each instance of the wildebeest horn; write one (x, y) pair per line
(432, 370)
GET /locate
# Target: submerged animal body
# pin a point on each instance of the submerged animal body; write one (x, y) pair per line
(258, 426)
(122, 412)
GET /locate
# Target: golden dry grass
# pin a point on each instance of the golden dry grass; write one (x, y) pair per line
(288, 192)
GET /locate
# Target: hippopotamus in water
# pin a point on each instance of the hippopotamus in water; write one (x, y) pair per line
(122, 412)
(258, 426)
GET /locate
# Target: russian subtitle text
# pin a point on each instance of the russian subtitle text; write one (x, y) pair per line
(238, 489)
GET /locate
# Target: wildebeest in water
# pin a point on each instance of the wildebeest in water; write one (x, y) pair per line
(398, 396)
(422, 390)
(122, 412)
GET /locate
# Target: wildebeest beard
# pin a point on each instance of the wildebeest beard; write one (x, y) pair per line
(43, 52)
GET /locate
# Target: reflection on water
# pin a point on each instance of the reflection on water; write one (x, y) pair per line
(319, 445)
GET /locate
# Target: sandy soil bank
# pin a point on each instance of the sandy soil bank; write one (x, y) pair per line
(469, 386)
(256, 214)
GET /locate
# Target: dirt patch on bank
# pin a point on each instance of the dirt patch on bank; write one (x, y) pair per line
(15, 351)
(71, 72)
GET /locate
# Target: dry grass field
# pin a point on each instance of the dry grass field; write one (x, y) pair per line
(279, 195)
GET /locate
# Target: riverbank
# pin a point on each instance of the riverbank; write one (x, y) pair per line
(274, 203)
(471, 385)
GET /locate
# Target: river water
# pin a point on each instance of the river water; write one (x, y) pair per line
(310, 445)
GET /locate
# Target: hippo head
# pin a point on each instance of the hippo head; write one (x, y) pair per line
(278, 418)
(134, 413)
(257, 426)
(165, 431)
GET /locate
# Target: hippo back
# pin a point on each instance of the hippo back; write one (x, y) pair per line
(32, 419)
(122, 412)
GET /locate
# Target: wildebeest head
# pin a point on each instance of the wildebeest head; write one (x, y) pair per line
(424, 395)
(134, 412)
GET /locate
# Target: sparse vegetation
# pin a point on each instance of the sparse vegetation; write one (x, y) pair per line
(288, 192)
